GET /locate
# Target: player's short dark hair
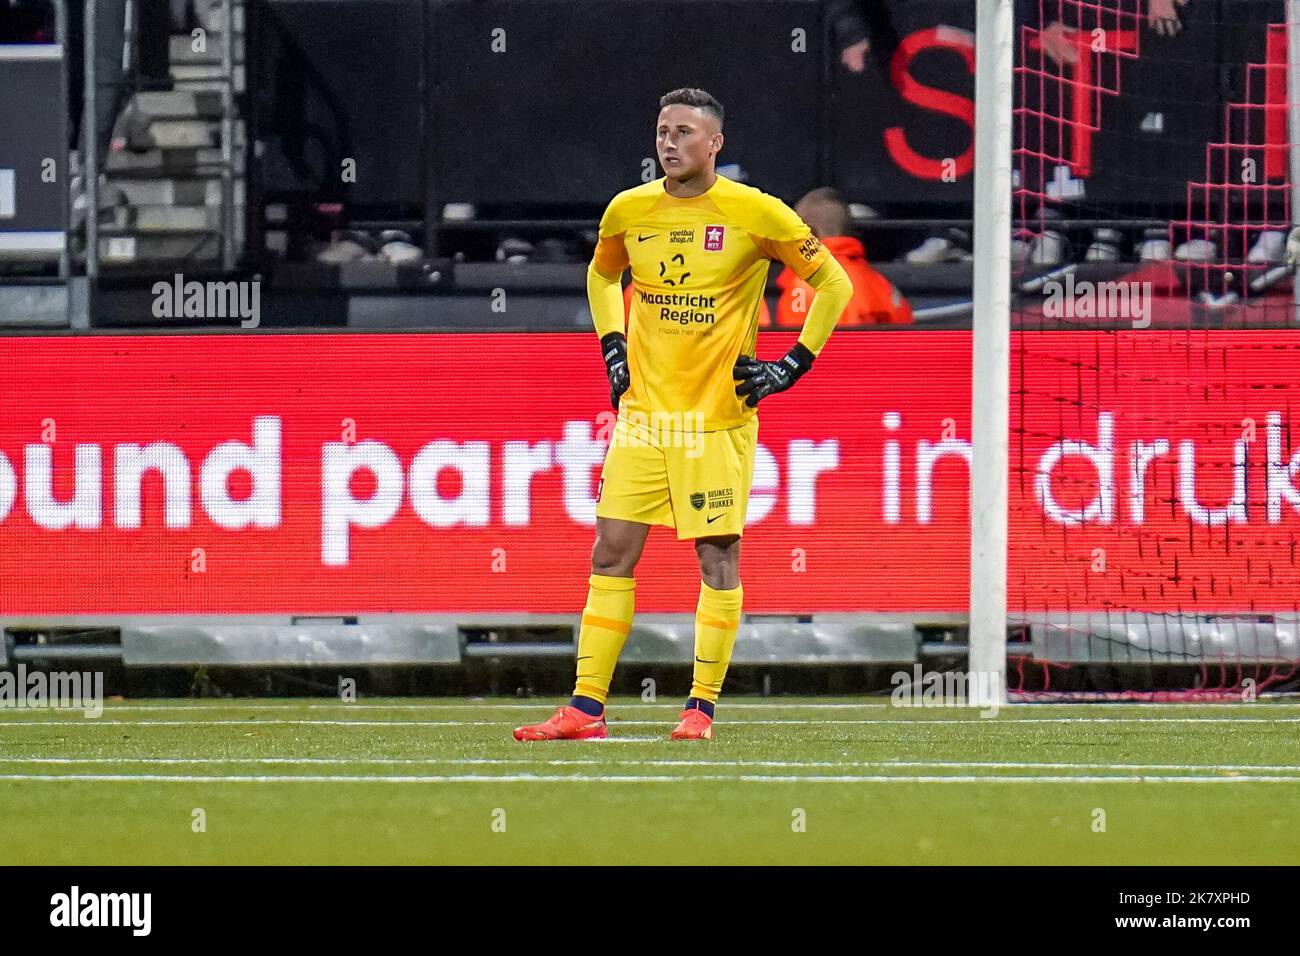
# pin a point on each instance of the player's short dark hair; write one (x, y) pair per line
(690, 96)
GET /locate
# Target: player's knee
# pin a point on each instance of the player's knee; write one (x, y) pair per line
(613, 569)
(719, 561)
(612, 559)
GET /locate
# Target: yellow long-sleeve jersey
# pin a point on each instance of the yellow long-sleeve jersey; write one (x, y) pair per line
(699, 266)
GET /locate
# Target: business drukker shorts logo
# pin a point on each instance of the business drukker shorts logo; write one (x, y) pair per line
(717, 498)
(713, 236)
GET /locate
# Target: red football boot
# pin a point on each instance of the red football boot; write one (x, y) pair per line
(695, 725)
(567, 723)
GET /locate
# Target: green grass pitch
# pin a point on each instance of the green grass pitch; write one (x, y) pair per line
(788, 780)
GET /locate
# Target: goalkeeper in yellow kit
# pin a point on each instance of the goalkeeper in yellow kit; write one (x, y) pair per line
(686, 385)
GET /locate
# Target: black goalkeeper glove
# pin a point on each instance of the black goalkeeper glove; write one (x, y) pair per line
(758, 379)
(614, 347)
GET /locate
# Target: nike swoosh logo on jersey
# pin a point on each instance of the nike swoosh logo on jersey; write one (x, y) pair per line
(641, 238)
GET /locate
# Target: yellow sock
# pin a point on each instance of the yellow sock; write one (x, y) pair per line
(605, 622)
(717, 618)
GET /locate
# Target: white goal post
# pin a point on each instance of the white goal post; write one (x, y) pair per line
(1293, 128)
(990, 376)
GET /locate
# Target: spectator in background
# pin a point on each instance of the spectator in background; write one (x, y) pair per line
(110, 77)
(153, 71)
(1058, 39)
(875, 299)
(1162, 16)
(859, 28)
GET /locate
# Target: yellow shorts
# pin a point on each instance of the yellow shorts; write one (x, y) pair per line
(694, 481)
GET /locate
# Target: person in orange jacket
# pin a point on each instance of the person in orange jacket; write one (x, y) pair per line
(875, 299)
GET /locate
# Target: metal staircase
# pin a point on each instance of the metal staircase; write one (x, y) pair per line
(176, 169)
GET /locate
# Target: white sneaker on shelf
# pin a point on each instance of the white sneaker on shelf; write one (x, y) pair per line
(1214, 301)
(1293, 247)
(341, 250)
(1269, 248)
(1047, 249)
(1019, 252)
(1104, 247)
(1196, 250)
(1155, 247)
(933, 250)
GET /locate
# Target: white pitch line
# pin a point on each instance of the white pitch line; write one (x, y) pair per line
(232, 704)
(979, 721)
(617, 778)
(649, 762)
(274, 722)
(533, 706)
(1052, 765)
